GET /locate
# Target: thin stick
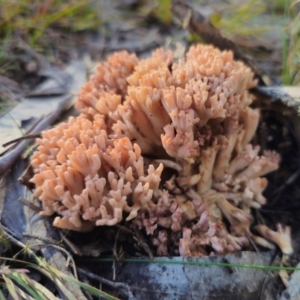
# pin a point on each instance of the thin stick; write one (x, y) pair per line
(139, 238)
(252, 243)
(30, 205)
(7, 160)
(143, 243)
(43, 239)
(122, 287)
(71, 245)
(124, 228)
(25, 137)
(9, 234)
(115, 254)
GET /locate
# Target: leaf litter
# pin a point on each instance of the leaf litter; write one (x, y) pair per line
(30, 223)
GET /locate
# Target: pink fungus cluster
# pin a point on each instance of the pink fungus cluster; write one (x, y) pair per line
(190, 118)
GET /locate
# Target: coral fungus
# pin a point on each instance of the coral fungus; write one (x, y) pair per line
(191, 116)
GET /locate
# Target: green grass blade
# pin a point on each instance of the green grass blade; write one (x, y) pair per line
(52, 276)
(3, 239)
(66, 292)
(49, 19)
(163, 11)
(23, 294)
(11, 287)
(87, 287)
(25, 282)
(2, 296)
(91, 290)
(55, 275)
(12, 118)
(41, 289)
(37, 287)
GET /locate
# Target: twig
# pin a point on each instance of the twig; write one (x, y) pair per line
(116, 257)
(32, 127)
(9, 234)
(7, 82)
(267, 276)
(122, 287)
(43, 63)
(25, 137)
(69, 257)
(7, 160)
(30, 205)
(26, 176)
(124, 228)
(136, 46)
(31, 253)
(140, 241)
(115, 244)
(43, 239)
(143, 243)
(86, 293)
(71, 245)
(252, 242)
(291, 180)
